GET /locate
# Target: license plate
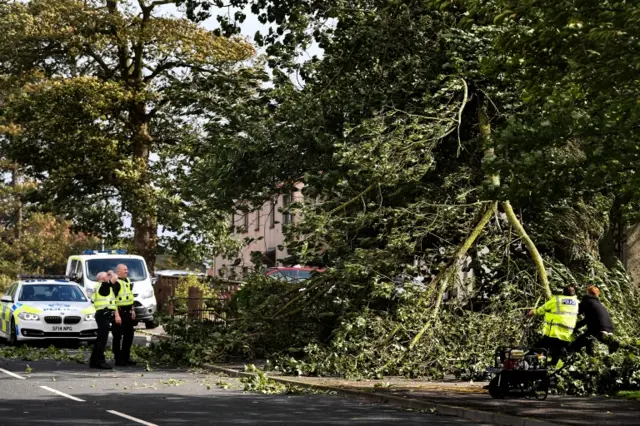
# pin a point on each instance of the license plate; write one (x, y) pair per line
(61, 328)
(494, 370)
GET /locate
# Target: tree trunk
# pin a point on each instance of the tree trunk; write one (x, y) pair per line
(611, 244)
(143, 202)
(145, 239)
(17, 192)
(15, 182)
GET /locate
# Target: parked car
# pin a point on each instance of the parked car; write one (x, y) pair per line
(47, 307)
(292, 273)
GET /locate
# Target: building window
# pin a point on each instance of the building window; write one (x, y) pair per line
(272, 215)
(245, 219)
(287, 199)
(233, 222)
(270, 257)
(257, 228)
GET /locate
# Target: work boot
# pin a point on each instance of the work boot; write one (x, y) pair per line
(101, 366)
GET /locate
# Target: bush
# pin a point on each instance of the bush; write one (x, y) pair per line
(5, 282)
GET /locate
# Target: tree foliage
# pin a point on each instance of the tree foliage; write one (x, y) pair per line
(92, 90)
(576, 64)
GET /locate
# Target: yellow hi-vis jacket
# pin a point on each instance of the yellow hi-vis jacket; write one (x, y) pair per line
(560, 317)
(125, 296)
(101, 302)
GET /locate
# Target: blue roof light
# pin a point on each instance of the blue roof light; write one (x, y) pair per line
(63, 278)
(112, 251)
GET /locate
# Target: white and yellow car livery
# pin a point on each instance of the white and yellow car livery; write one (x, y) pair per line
(46, 308)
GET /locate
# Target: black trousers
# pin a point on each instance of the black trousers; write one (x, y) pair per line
(557, 348)
(588, 340)
(123, 336)
(103, 319)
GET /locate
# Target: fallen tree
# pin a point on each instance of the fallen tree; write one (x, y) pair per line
(440, 219)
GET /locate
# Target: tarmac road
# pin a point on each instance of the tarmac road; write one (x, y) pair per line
(67, 393)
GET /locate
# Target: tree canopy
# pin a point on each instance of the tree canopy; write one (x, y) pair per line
(100, 97)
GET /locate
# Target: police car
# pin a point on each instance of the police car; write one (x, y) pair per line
(46, 307)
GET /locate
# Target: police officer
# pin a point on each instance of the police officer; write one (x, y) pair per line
(105, 303)
(560, 317)
(123, 332)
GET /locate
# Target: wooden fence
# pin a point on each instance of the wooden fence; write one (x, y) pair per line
(197, 306)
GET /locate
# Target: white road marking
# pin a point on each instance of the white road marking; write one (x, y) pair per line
(133, 419)
(12, 374)
(62, 394)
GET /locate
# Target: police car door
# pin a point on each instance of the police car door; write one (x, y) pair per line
(5, 312)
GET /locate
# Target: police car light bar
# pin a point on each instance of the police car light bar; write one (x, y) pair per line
(45, 277)
(113, 251)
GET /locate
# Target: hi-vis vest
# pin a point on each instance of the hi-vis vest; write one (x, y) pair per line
(125, 296)
(560, 317)
(101, 302)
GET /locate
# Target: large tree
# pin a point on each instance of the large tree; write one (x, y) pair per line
(92, 89)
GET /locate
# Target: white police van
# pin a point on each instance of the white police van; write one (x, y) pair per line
(86, 266)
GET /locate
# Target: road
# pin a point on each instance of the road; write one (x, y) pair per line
(60, 392)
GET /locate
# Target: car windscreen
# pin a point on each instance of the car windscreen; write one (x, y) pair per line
(292, 275)
(137, 271)
(296, 274)
(51, 293)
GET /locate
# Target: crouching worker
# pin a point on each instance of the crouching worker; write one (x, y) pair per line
(560, 318)
(105, 303)
(598, 322)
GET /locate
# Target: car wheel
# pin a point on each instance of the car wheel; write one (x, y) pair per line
(150, 325)
(13, 338)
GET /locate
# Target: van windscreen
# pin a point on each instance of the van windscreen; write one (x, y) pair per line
(137, 271)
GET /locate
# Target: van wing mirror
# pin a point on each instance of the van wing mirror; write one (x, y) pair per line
(6, 298)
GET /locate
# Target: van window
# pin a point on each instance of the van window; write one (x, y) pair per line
(79, 272)
(73, 266)
(137, 270)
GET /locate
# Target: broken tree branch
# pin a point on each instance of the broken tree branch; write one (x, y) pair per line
(459, 255)
(533, 250)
